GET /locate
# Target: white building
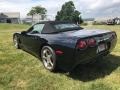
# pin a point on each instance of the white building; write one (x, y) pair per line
(35, 18)
(10, 17)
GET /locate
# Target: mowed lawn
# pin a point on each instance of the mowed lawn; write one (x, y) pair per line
(21, 71)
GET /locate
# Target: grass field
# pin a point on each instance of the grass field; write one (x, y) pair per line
(21, 71)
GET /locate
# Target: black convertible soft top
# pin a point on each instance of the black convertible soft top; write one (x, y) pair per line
(49, 26)
(54, 22)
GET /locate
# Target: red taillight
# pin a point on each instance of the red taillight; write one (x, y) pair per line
(82, 44)
(91, 42)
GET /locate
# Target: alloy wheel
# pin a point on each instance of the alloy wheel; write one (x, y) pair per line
(48, 58)
(15, 42)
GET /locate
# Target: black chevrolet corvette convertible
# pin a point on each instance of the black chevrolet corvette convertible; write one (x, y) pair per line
(64, 45)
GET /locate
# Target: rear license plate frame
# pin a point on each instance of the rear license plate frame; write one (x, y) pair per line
(101, 47)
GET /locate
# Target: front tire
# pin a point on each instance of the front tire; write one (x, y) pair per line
(48, 57)
(16, 43)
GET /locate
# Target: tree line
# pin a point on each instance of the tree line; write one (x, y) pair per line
(68, 12)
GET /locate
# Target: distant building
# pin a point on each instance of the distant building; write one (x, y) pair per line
(10, 17)
(36, 18)
(29, 19)
(89, 20)
(109, 20)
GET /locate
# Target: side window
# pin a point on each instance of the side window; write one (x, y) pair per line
(37, 28)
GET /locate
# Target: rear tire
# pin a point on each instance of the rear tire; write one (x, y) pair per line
(48, 57)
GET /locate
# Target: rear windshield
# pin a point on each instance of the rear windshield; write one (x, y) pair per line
(66, 27)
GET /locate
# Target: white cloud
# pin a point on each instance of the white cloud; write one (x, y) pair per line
(89, 8)
(116, 1)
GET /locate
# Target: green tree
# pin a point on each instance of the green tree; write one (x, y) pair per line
(38, 10)
(69, 12)
(41, 11)
(32, 12)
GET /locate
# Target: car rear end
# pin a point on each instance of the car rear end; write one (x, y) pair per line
(94, 46)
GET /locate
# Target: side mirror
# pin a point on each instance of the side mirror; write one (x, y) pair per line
(23, 32)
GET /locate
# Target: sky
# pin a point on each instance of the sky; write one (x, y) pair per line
(88, 8)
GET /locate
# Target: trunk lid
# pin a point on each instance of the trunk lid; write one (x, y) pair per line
(87, 32)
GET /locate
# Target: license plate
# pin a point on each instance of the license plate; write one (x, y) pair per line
(101, 48)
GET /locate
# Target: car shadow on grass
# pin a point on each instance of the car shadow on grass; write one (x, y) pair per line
(99, 69)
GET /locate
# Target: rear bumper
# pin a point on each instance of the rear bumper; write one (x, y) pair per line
(89, 56)
(85, 56)
(92, 52)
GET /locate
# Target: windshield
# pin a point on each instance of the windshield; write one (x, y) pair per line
(66, 27)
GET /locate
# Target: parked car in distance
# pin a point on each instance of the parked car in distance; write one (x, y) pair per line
(64, 45)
